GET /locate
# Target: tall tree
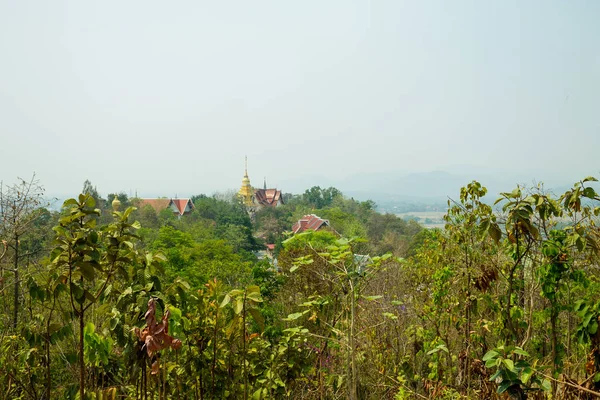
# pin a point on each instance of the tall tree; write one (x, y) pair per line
(320, 198)
(18, 204)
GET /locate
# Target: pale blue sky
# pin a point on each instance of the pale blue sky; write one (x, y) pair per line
(168, 97)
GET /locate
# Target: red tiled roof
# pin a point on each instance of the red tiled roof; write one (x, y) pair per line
(157, 204)
(271, 246)
(181, 205)
(268, 197)
(161, 204)
(309, 222)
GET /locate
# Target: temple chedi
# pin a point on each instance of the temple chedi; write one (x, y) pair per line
(246, 193)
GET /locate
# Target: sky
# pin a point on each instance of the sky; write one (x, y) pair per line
(167, 98)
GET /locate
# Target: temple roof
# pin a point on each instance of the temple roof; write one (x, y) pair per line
(179, 205)
(157, 204)
(268, 197)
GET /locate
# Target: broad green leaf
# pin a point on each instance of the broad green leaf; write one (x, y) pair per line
(587, 319)
(593, 327)
(175, 313)
(258, 318)
(225, 301)
(503, 386)
(509, 364)
(253, 289)
(545, 385)
(254, 296)
(54, 328)
(89, 328)
(491, 363)
(238, 305)
(526, 374)
(490, 355)
(496, 375)
(78, 292)
(87, 270)
(294, 316)
(495, 233)
(90, 296)
(520, 352)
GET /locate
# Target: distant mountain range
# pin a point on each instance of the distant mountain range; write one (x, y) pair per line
(432, 187)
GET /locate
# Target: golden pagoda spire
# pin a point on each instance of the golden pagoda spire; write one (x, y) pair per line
(245, 193)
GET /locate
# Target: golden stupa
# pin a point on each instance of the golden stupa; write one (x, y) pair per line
(246, 192)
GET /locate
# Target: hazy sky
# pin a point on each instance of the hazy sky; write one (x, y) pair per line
(167, 97)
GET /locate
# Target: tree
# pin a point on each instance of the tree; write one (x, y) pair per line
(469, 262)
(320, 198)
(18, 205)
(90, 189)
(87, 259)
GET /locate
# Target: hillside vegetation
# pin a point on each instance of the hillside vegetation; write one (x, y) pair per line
(104, 301)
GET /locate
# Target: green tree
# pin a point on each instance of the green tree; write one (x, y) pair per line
(19, 206)
(320, 198)
(87, 259)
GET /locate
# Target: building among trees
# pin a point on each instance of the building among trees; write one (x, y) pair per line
(254, 199)
(311, 222)
(178, 206)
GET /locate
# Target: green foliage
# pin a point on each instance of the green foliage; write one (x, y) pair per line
(330, 317)
(513, 377)
(320, 198)
(199, 261)
(97, 349)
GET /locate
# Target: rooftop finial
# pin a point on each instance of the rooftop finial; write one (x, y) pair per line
(116, 203)
(246, 165)
(265, 183)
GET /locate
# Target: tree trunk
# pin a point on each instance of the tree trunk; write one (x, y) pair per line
(244, 347)
(353, 372)
(48, 374)
(16, 272)
(81, 362)
(553, 322)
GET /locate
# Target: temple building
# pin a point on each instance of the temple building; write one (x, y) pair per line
(255, 199)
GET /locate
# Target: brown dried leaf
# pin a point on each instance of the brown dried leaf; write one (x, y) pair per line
(155, 367)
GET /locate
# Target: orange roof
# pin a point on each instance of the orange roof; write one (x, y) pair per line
(181, 205)
(157, 204)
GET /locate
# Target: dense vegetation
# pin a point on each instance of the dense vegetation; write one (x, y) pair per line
(102, 300)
